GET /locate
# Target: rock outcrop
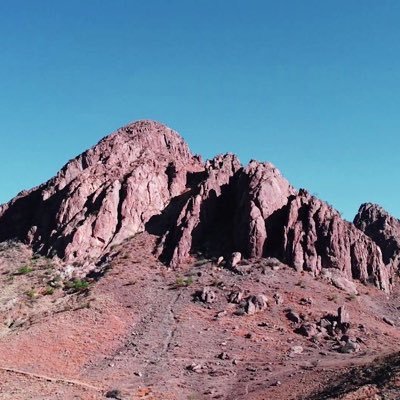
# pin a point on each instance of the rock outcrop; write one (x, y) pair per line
(383, 229)
(311, 235)
(103, 196)
(144, 177)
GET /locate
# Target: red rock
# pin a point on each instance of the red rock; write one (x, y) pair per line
(314, 236)
(383, 229)
(144, 177)
(261, 190)
(199, 224)
(103, 196)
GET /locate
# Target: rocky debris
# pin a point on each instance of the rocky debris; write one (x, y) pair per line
(339, 281)
(315, 237)
(255, 304)
(198, 368)
(388, 321)
(221, 314)
(350, 347)
(206, 295)
(223, 356)
(343, 317)
(330, 325)
(306, 301)
(383, 229)
(293, 316)
(220, 260)
(114, 394)
(236, 257)
(278, 299)
(307, 329)
(296, 350)
(235, 296)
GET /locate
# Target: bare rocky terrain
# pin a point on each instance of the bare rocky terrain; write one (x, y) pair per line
(140, 271)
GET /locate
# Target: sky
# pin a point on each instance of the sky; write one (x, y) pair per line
(311, 86)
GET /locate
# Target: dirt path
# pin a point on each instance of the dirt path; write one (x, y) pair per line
(52, 379)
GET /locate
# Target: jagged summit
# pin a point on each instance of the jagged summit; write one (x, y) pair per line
(104, 195)
(144, 177)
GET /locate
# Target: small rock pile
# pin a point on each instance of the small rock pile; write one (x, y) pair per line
(330, 327)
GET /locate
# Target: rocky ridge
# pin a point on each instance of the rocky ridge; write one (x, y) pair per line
(144, 177)
(383, 229)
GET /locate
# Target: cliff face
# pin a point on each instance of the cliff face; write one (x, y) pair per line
(383, 229)
(104, 195)
(144, 177)
(314, 236)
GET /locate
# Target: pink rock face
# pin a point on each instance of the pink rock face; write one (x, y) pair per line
(227, 211)
(383, 229)
(314, 236)
(144, 177)
(104, 195)
(199, 216)
(261, 191)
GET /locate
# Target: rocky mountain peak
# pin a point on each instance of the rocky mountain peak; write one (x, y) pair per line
(143, 177)
(104, 195)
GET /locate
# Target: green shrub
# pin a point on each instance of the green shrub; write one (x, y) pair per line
(183, 282)
(48, 291)
(78, 285)
(31, 294)
(26, 269)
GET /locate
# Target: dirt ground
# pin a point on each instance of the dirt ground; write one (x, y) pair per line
(138, 331)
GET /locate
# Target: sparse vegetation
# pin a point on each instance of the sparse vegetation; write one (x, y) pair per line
(48, 291)
(183, 281)
(26, 269)
(32, 294)
(77, 285)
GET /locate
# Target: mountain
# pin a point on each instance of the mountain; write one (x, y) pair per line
(141, 271)
(144, 177)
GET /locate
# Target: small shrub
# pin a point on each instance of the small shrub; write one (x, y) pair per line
(48, 291)
(78, 285)
(183, 282)
(31, 294)
(26, 269)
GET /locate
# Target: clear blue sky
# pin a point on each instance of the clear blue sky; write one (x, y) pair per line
(313, 86)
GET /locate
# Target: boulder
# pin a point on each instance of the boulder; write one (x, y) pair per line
(236, 257)
(235, 296)
(206, 295)
(293, 316)
(307, 330)
(350, 347)
(255, 304)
